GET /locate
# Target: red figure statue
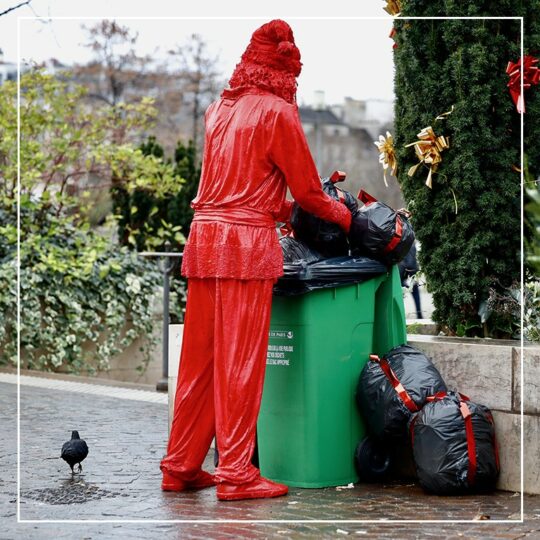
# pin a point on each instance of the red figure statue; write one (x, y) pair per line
(254, 149)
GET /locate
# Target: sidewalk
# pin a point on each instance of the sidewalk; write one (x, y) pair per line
(127, 438)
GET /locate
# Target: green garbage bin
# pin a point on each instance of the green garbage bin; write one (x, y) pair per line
(319, 342)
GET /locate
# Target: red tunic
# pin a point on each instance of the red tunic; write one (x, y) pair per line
(254, 148)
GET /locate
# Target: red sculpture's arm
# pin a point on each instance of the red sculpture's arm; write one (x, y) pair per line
(290, 152)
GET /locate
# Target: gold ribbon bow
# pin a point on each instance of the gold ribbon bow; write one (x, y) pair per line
(393, 7)
(428, 149)
(387, 154)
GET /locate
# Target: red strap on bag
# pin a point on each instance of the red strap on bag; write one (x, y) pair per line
(471, 444)
(366, 198)
(439, 395)
(397, 236)
(287, 230)
(395, 382)
(338, 176)
(341, 195)
(495, 445)
(469, 433)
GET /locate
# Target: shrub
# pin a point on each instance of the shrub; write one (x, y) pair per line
(78, 287)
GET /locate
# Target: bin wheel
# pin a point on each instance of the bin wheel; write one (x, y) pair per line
(372, 460)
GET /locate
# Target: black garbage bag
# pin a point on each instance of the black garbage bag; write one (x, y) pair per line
(454, 445)
(327, 238)
(408, 267)
(300, 277)
(394, 387)
(295, 251)
(380, 232)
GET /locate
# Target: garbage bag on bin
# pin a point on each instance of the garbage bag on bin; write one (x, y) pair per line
(394, 387)
(380, 232)
(408, 267)
(326, 237)
(454, 445)
(300, 277)
(295, 250)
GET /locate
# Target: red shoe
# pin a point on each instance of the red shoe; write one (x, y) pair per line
(201, 481)
(260, 488)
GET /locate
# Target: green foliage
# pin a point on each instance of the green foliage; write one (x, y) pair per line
(77, 292)
(149, 222)
(473, 255)
(531, 319)
(532, 225)
(83, 299)
(186, 166)
(413, 328)
(63, 142)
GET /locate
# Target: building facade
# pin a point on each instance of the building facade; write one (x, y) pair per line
(342, 137)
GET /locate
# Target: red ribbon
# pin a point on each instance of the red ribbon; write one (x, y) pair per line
(391, 36)
(395, 382)
(531, 75)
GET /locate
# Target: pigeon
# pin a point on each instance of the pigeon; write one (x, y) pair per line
(74, 451)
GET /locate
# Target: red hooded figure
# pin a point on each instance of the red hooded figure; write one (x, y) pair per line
(254, 149)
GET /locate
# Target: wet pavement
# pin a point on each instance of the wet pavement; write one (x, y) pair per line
(121, 481)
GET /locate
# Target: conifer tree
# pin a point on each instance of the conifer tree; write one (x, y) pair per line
(471, 256)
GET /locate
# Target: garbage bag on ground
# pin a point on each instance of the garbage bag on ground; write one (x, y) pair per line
(454, 445)
(394, 387)
(327, 238)
(380, 232)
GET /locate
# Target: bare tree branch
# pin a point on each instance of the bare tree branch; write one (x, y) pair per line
(46, 21)
(15, 7)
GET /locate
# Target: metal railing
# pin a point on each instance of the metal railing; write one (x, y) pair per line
(168, 262)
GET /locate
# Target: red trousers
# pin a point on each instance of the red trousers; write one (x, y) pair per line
(220, 379)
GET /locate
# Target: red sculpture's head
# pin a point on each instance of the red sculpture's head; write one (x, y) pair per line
(271, 61)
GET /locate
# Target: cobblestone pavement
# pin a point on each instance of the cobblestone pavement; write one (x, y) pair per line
(121, 481)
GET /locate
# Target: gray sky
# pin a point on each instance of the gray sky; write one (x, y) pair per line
(343, 57)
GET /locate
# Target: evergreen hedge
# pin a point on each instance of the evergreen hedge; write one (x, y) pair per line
(471, 259)
(148, 222)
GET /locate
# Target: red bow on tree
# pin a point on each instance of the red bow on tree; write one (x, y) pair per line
(531, 75)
